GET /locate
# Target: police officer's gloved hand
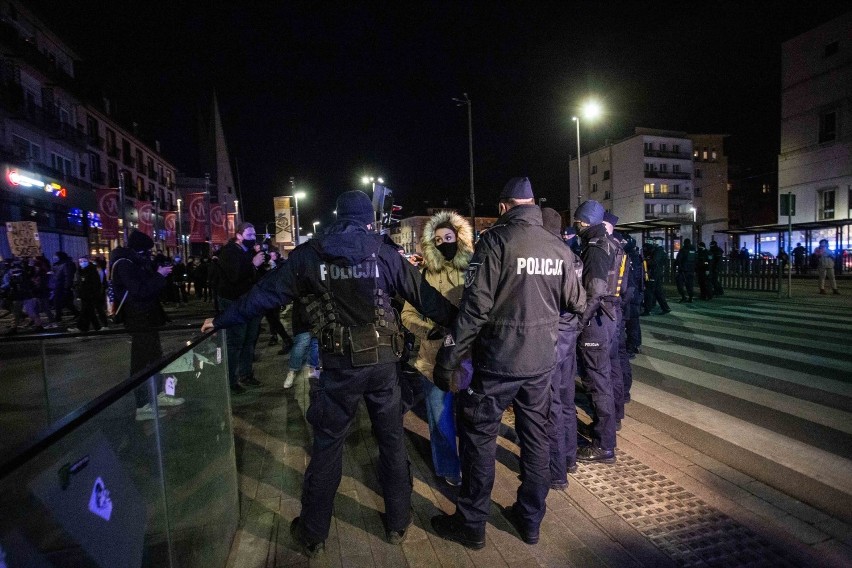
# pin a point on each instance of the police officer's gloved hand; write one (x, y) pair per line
(444, 367)
(443, 377)
(437, 332)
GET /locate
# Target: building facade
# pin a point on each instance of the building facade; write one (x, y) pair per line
(57, 149)
(815, 159)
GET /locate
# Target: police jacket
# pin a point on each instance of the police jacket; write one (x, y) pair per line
(599, 255)
(520, 279)
(88, 283)
(355, 274)
(136, 276)
(237, 274)
(685, 259)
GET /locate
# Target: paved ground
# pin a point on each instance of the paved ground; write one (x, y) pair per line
(665, 503)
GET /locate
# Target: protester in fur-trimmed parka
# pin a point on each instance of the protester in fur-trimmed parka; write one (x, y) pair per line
(447, 248)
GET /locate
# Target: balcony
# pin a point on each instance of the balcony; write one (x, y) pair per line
(668, 195)
(667, 154)
(667, 175)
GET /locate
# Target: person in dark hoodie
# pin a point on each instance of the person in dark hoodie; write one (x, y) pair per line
(89, 290)
(62, 285)
(520, 280)
(347, 277)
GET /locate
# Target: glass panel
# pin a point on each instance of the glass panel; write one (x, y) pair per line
(92, 499)
(23, 406)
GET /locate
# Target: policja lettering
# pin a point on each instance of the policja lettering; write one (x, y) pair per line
(346, 272)
(546, 266)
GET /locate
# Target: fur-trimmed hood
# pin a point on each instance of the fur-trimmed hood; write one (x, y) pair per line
(432, 257)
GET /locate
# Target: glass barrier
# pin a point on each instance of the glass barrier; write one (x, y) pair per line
(110, 486)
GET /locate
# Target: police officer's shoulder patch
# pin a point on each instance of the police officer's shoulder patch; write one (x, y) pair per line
(470, 274)
(449, 341)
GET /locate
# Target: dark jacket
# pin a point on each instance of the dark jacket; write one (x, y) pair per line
(351, 265)
(63, 272)
(636, 283)
(685, 260)
(520, 279)
(598, 255)
(237, 274)
(143, 285)
(88, 283)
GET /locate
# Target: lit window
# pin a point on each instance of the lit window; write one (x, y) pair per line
(649, 188)
(713, 154)
(695, 154)
(704, 153)
(765, 188)
(664, 188)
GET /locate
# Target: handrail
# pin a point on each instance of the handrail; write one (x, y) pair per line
(71, 421)
(50, 335)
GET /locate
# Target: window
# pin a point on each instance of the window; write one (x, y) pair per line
(826, 204)
(664, 209)
(62, 164)
(112, 174)
(594, 169)
(649, 209)
(695, 154)
(698, 173)
(664, 167)
(831, 49)
(676, 148)
(649, 188)
(607, 195)
(110, 139)
(662, 147)
(139, 162)
(606, 174)
(23, 148)
(697, 191)
(82, 169)
(704, 153)
(676, 208)
(125, 152)
(676, 188)
(676, 167)
(664, 188)
(91, 126)
(140, 186)
(594, 187)
(713, 154)
(729, 186)
(764, 188)
(828, 126)
(648, 146)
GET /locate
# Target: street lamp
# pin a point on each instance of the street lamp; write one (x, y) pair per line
(459, 102)
(590, 111)
(315, 223)
(296, 197)
(180, 230)
(695, 235)
(236, 215)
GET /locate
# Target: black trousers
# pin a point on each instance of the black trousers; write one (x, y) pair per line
(654, 293)
(594, 351)
(562, 425)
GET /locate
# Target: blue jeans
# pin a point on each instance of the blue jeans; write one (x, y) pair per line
(305, 349)
(241, 340)
(441, 415)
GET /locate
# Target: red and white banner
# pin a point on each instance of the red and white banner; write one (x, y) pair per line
(170, 221)
(218, 225)
(197, 207)
(145, 215)
(110, 211)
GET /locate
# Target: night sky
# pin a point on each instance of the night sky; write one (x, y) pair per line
(327, 92)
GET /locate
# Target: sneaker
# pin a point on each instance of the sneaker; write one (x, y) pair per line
(452, 481)
(73, 329)
(147, 413)
(528, 535)
(288, 380)
(309, 550)
(165, 400)
(237, 389)
(398, 537)
(667, 310)
(450, 527)
(250, 381)
(595, 454)
(314, 373)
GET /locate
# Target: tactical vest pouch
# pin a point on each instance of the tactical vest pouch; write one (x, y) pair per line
(364, 343)
(331, 339)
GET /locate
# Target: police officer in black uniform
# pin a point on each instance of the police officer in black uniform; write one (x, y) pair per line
(346, 278)
(599, 325)
(618, 348)
(519, 280)
(685, 267)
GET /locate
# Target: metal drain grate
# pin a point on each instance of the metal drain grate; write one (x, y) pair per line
(680, 524)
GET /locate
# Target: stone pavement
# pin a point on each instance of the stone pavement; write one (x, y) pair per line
(664, 503)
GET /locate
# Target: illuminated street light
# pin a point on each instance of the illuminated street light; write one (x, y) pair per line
(591, 110)
(315, 223)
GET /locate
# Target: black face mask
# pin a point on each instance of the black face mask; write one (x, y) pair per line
(249, 243)
(448, 250)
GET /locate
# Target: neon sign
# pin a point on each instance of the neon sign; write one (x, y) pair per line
(16, 178)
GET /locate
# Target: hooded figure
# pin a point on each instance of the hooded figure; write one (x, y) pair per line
(447, 247)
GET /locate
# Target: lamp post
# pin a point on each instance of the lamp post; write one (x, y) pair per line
(180, 229)
(236, 215)
(315, 223)
(591, 110)
(459, 102)
(695, 236)
(371, 181)
(296, 197)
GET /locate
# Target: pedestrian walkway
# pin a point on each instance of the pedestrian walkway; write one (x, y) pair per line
(664, 503)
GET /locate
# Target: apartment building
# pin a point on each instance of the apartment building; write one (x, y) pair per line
(815, 159)
(57, 149)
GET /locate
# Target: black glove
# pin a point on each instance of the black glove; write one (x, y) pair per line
(443, 377)
(437, 332)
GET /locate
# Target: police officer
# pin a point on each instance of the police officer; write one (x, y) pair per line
(519, 280)
(702, 270)
(636, 297)
(562, 426)
(346, 278)
(685, 269)
(599, 326)
(618, 348)
(656, 259)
